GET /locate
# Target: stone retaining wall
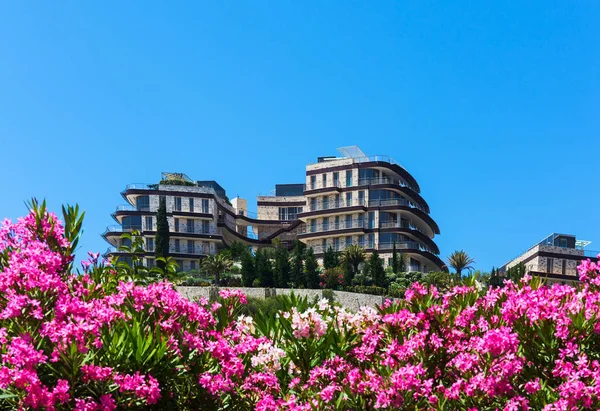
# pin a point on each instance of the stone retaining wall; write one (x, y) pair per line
(350, 300)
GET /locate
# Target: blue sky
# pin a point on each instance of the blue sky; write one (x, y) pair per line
(494, 108)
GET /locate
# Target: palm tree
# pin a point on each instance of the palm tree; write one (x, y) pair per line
(216, 265)
(354, 255)
(460, 260)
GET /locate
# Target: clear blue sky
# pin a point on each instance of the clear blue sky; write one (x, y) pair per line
(494, 108)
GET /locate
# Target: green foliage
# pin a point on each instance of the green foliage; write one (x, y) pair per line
(161, 241)
(516, 272)
(248, 270)
(376, 270)
(460, 260)
(398, 261)
(238, 251)
(442, 280)
(297, 267)
(330, 258)
(264, 268)
(311, 269)
(332, 278)
(216, 265)
(282, 267)
(353, 255)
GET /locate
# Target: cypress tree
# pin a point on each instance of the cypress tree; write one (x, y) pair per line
(248, 269)
(161, 241)
(330, 258)
(402, 263)
(282, 267)
(264, 269)
(395, 261)
(376, 270)
(297, 268)
(311, 269)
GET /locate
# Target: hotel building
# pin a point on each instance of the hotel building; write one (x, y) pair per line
(352, 199)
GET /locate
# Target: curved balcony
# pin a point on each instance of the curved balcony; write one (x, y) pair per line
(318, 229)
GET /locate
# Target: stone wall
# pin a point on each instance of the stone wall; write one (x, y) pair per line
(349, 300)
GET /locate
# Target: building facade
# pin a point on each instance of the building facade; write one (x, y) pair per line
(556, 258)
(372, 202)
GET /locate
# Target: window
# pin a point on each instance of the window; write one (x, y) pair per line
(324, 245)
(149, 262)
(190, 225)
(550, 265)
(313, 204)
(371, 240)
(177, 203)
(337, 222)
(142, 203)
(361, 197)
(349, 221)
(289, 213)
(133, 222)
(336, 179)
(205, 206)
(180, 264)
(348, 178)
(336, 244)
(149, 223)
(313, 225)
(191, 205)
(176, 225)
(192, 265)
(325, 223)
(325, 202)
(371, 219)
(348, 199)
(205, 227)
(564, 266)
(177, 245)
(313, 182)
(361, 240)
(190, 246)
(361, 220)
(150, 244)
(348, 240)
(324, 180)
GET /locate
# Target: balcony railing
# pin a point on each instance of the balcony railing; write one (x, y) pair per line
(122, 229)
(381, 180)
(590, 253)
(319, 185)
(172, 250)
(129, 207)
(138, 186)
(406, 245)
(400, 224)
(333, 205)
(342, 225)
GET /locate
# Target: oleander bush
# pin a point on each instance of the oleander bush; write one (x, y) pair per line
(105, 337)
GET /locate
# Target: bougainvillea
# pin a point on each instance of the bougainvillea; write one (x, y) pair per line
(103, 338)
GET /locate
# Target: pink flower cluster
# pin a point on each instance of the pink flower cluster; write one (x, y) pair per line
(94, 342)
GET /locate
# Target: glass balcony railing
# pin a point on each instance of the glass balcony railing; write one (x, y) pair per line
(129, 207)
(172, 250)
(122, 229)
(342, 225)
(319, 184)
(406, 245)
(333, 205)
(591, 253)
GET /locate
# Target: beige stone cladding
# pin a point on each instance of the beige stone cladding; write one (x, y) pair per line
(271, 211)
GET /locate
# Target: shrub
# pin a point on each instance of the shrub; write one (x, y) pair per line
(110, 337)
(332, 278)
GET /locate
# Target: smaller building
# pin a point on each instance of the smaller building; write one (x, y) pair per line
(556, 258)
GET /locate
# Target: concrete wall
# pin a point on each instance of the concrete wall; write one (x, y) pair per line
(349, 300)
